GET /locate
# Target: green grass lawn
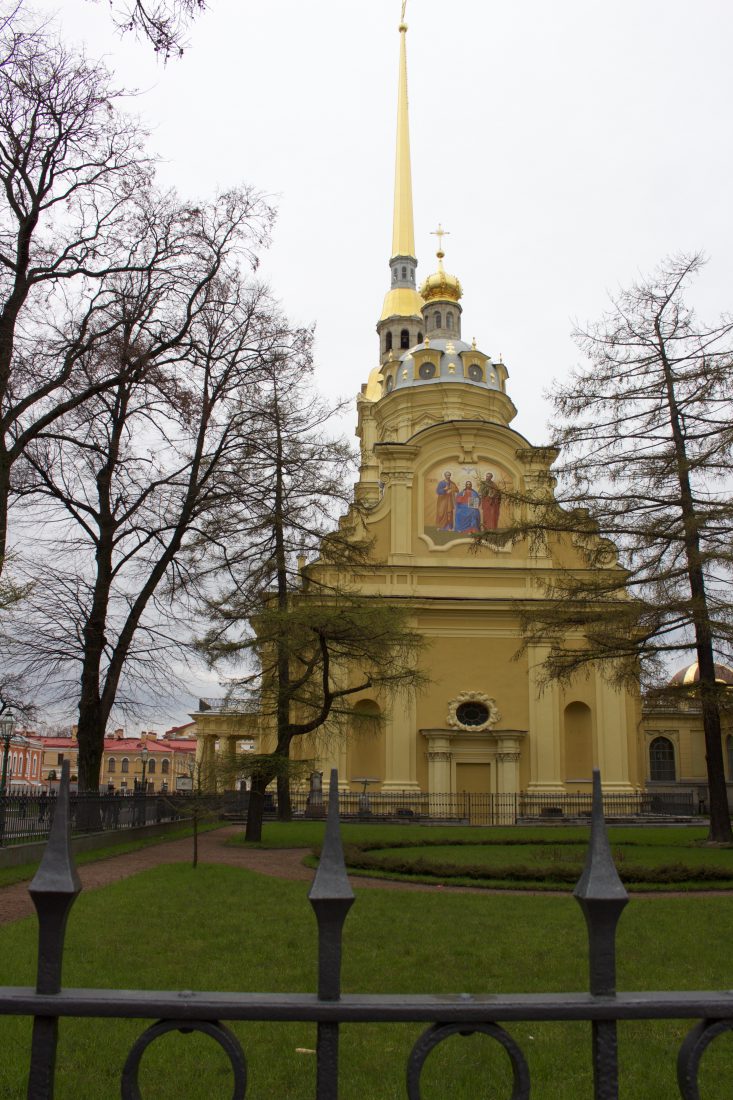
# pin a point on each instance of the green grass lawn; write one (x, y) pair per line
(308, 834)
(648, 858)
(225, 928)
(26, 871)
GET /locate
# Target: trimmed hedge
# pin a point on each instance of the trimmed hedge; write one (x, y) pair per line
(359, 858)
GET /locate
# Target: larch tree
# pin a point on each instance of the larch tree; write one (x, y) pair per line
(644, 434)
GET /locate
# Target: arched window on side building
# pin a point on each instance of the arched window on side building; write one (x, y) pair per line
(661, 761)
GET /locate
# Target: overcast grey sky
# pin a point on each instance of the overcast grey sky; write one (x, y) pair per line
(567, 147)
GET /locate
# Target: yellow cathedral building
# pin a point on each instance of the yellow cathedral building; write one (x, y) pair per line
(438, 457)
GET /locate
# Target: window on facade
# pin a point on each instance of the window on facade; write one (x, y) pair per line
(59, 758)
(472, 714)
(388, 342)
(125, 764)
(165, 767)
(437, 320)
(419, 338)
(449, 320)
(405, 338)
(112, 764)
(151, 767)
(661, 760)
(35, 766)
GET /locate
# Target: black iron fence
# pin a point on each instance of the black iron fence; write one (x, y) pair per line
(599, 892)
(475, 809)
(28, 816)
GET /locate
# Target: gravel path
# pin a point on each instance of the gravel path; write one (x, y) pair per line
(285, 863)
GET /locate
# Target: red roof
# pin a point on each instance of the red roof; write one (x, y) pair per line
(127, 744)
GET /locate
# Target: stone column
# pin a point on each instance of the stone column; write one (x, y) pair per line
(401, 746)
(507, 762)
(229, 759)
(545, 775)
(612, 741)
(401, 514)
(208, 763)
(367, 488)
(439, 761)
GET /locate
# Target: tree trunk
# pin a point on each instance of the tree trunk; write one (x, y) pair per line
(4, 499)
(720, 824)
(284, 802)
(90, 736)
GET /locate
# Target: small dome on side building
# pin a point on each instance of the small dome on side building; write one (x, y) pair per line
(691, 675)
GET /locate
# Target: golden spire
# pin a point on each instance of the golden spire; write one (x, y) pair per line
(403, 233)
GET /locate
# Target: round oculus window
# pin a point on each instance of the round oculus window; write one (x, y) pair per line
(472, 714)
(427, 370)
(475, 373)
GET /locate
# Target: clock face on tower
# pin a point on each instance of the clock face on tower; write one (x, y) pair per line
(427, 370)
(475, 373)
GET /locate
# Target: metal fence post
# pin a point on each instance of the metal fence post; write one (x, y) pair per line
(54, 890)
(331, 897)
(602, 897)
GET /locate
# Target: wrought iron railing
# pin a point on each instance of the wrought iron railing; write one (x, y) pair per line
(599, 892)
(28, 817)
(475, 809)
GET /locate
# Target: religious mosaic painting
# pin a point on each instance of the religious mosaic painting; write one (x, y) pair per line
(461, 501)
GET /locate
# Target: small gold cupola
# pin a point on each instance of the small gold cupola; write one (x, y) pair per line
(441, 293)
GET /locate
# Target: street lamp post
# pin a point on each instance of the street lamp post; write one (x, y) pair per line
(144, 755)
(7, 727)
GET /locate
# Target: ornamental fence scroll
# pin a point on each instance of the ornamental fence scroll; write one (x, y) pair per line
(599, 892)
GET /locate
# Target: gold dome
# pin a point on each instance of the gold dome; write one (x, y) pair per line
(441, 285)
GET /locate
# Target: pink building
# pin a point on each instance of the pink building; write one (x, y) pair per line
(22, 760)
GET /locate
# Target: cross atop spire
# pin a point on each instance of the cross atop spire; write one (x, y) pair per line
(440, 233)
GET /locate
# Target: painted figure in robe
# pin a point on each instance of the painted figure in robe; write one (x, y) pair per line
(468, 515)
(490, 503)
(444, 509)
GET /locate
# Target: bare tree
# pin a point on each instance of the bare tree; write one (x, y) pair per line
(69, 165)
(645, 437)
(163, 23)
(125, 478)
